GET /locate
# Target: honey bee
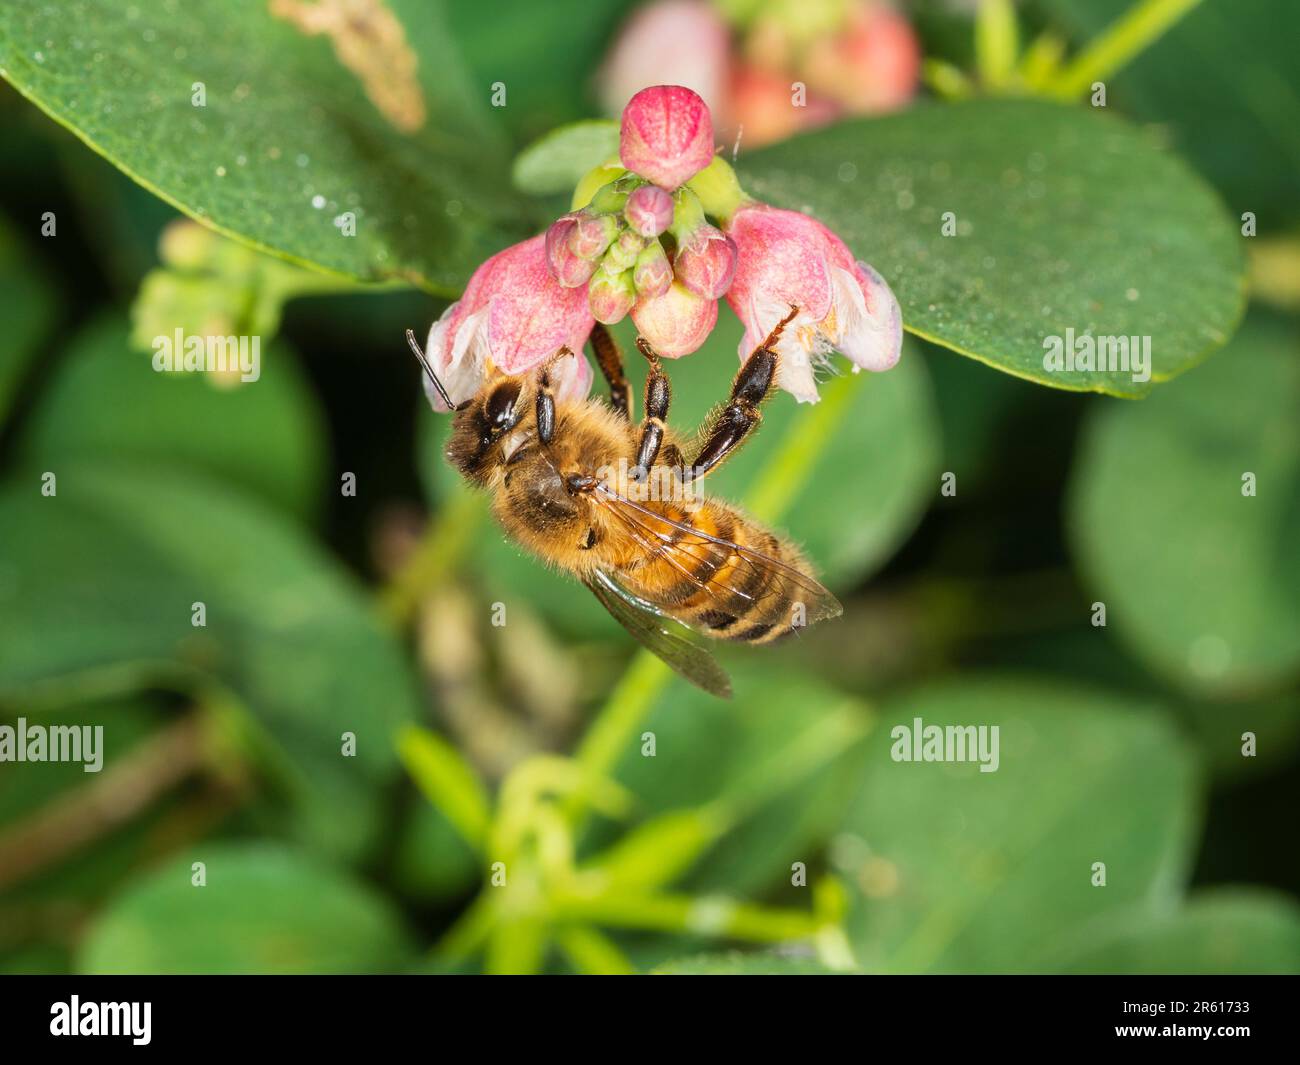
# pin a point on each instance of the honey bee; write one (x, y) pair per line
(617, 506)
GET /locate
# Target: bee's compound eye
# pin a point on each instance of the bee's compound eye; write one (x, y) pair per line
(499, 410)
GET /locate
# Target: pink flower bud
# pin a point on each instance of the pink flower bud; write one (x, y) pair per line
(653, 273)
(649, 210)
(592, 235)
(706, 262)
(623, 252)
(667, 135)
(677, 322)
(564, 265)
(610, 296)
(788, 259)
(569, 270)
(513, 317)
(675, 42)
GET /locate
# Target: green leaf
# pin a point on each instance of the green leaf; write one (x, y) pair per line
(98, 591)
(1066, 219)
(1202, 580)
(1237, 119)
(959, 870)
(431, 860)
(27, 309)
(448, 781)
(737, 964)
(545, 55)
(264, 909)
(289, 138)
(781, 779)
(1218, 931)
(885, 444)
(262, 436)
(556, 162)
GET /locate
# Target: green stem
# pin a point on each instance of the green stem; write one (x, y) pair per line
(593, 952)
(1143, 24)
(445, 542)
(784, 478)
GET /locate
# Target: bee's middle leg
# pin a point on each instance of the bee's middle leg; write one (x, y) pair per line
(610, 361)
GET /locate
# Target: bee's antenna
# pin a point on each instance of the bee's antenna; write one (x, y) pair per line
(415, 347)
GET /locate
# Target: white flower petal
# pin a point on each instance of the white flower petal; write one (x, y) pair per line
(571, 378)
(462, 375)
(871, 338)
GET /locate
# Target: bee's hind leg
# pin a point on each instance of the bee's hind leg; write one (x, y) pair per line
(610, 361)
(728, 427)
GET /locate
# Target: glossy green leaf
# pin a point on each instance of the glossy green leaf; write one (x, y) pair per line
(288, 138)
(960, 870)
(262, 436)
(98, 593)
(1200, 578)
(1218, 931)
(1065, 219)
(263, 909)
(556, 162)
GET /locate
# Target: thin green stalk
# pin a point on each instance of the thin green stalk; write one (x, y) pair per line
(444, 544)
(593, 952)
(771, 496)
(1139, 27)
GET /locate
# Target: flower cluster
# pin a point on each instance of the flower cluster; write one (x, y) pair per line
(662, 235)
(643, 244)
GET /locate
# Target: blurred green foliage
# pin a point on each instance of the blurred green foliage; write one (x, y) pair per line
(348, 781)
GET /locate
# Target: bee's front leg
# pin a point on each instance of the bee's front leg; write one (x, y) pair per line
(544, 404)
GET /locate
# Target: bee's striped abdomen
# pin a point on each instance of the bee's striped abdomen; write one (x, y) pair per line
(717, 588)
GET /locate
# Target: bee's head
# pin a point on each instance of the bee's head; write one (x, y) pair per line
(482, 424)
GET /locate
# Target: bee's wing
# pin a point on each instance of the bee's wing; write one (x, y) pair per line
(669, 639)
(685, 547)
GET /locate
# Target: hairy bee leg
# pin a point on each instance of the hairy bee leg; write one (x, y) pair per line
(730, 425)
(545, 402)
(658, 395)
(610, 361)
